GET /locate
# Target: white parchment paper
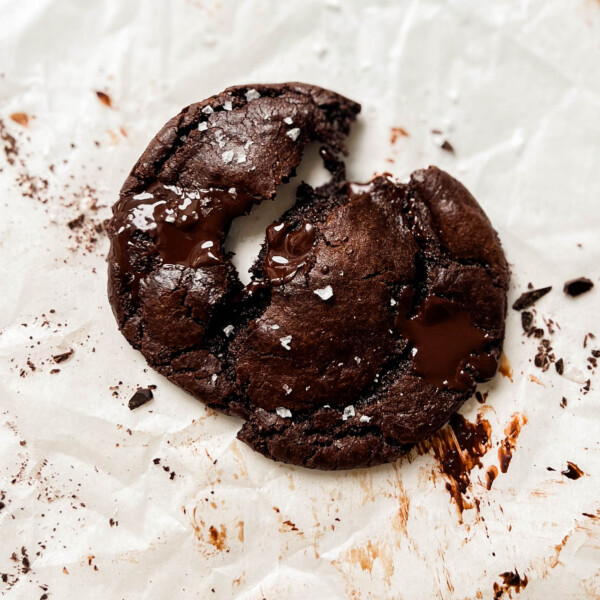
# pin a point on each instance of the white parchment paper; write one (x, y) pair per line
(163, 502)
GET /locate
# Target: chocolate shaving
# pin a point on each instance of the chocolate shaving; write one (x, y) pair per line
(576, 287)
(141, 397)
(560, 366)
(527, 299)
(59, 358)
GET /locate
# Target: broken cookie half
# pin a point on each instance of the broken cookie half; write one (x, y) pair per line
(373, 311)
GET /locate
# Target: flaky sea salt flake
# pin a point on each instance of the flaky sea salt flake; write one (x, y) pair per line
(348, 412)
(284, 413)
(324, 293)
(252, 95)
(293, 134)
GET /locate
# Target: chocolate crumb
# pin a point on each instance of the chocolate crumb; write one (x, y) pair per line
(563, 402)
(141, 397)
(576, 287)
(572, 471)
(527, 299)
(559, 366)
(447, 146)
(396, 133)
(60, 358)
(156, 461)
(76, 223)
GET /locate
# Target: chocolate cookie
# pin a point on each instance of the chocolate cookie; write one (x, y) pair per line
(373, 311)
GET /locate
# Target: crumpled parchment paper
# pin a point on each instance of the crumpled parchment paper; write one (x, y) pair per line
(97, 501)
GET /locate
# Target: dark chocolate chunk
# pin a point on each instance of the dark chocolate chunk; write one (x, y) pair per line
(527, 299)
(331, 354)
(572, 471)
(559, 365)
(141, 397)
(576, 287)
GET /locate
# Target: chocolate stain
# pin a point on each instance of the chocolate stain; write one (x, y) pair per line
(365, 556)
(505, 368)
(458, 448)
(509, 444)
(217, 537)
(104, 98)
(572, 471)
(396, 133)
(21, 118)
(510, 582)
(490, 475)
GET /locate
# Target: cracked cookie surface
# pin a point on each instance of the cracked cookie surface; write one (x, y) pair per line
(373, 311)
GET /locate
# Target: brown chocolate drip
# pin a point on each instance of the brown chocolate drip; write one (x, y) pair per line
(287, 251)
(446, 344)
(510, 580)
(490, 475)
(509, 444)
(188, 226)
(458, 449)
